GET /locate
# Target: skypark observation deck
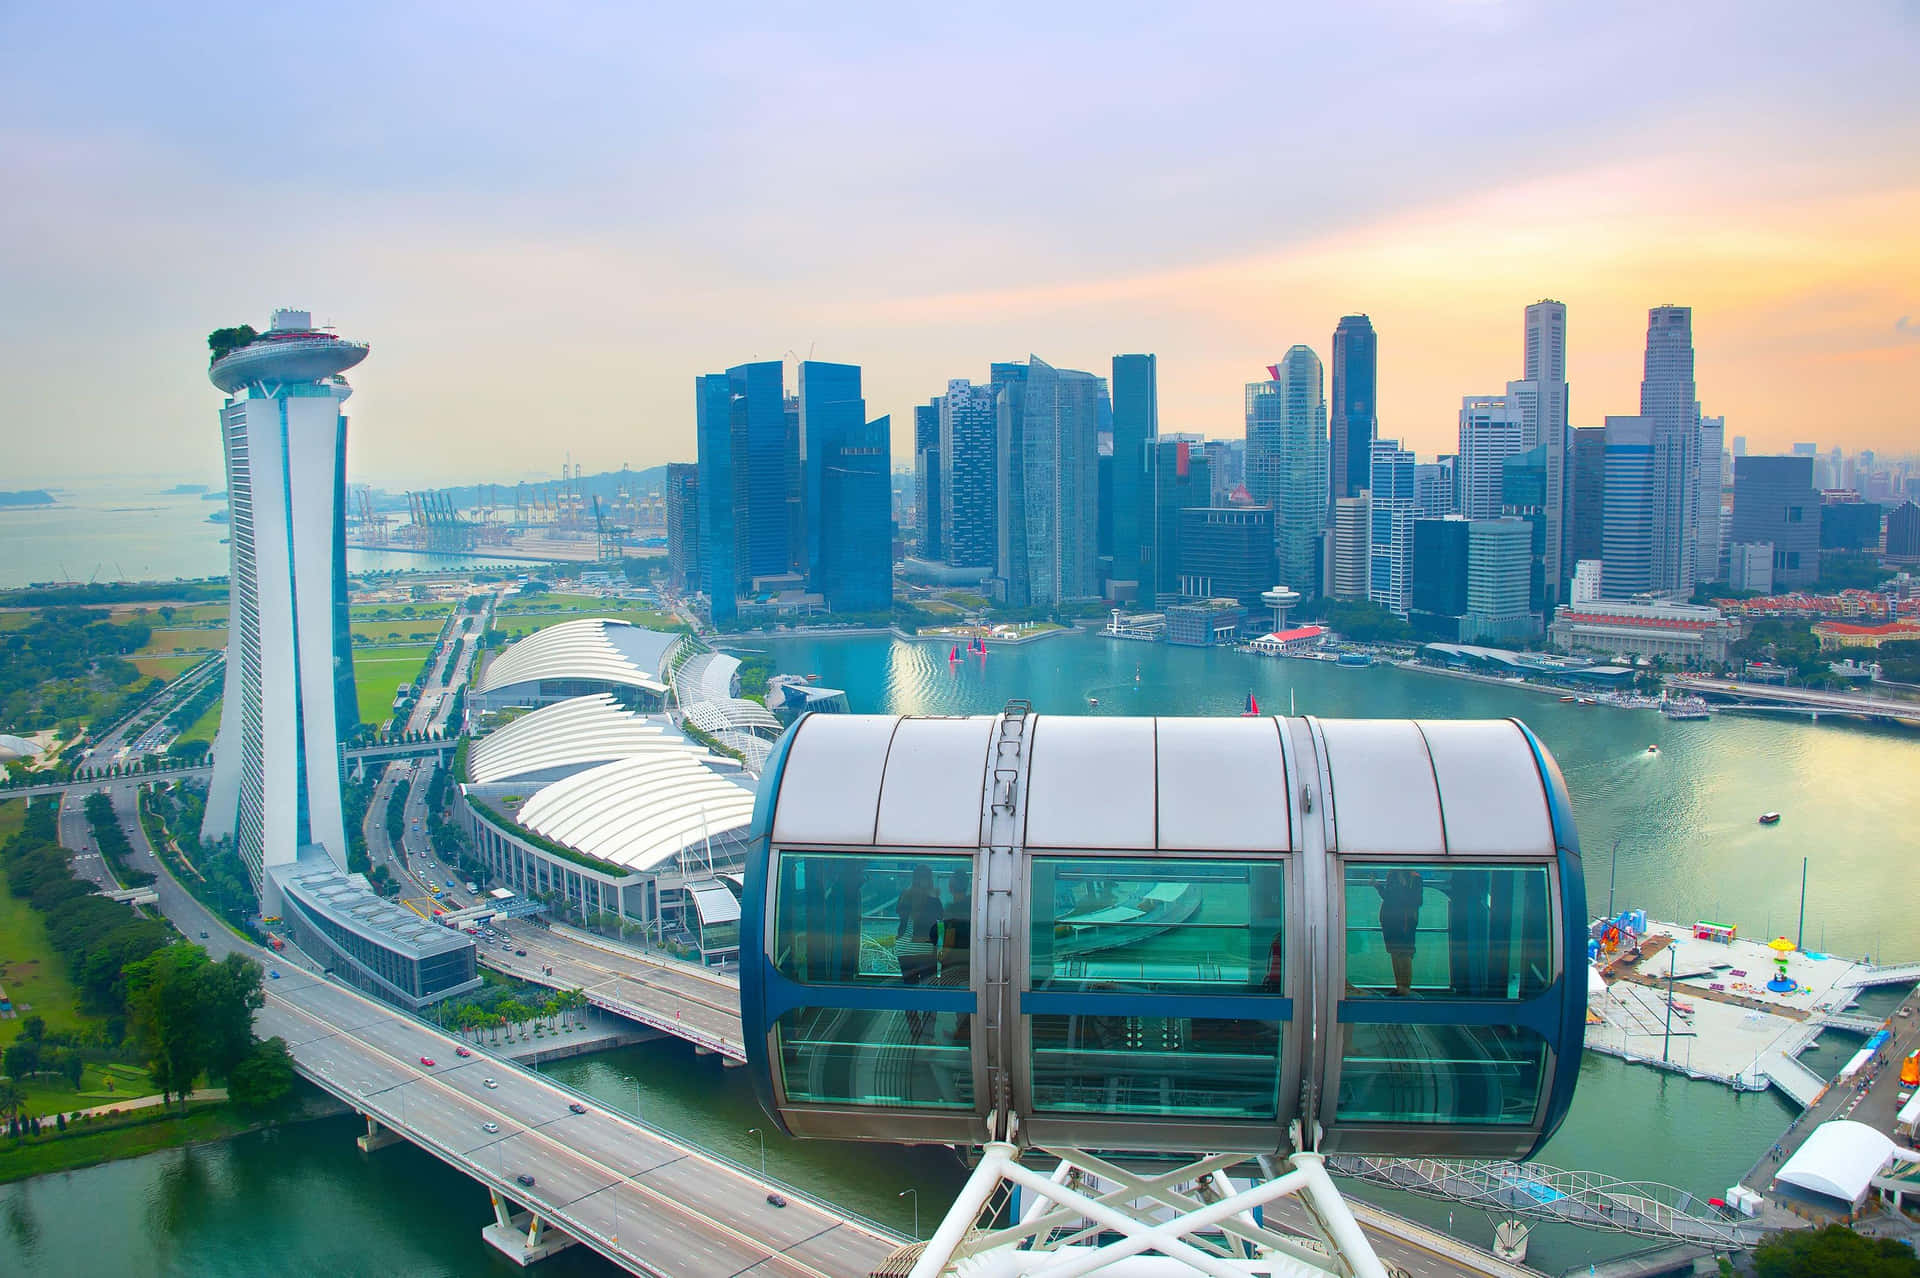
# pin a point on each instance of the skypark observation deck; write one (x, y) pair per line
(1262, 935)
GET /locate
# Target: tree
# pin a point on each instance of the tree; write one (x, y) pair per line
(1830, 1251)
(264, 1076)
(164, 1000)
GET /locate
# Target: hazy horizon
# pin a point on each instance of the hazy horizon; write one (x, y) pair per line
(547, 228)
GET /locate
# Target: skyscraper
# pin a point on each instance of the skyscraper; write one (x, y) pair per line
(1348, 565)
(1355, 414)
(1182, 478)
(719, 435)
(1523, 496)
(1706, 515)
(856, 516)
(1060, 466)
(1499, 582)
(1586, 489)
(1492, 429)
(831, 411)
(926, 478)
(1627, 509)
(969, 424)
(1668, 401)
(764, 440)
(1390, 516)
(1545, 371)
(289, 696)
(1136, 423)
(683, 525)
(1774, 501)
(1009, 382)
(1435, 491)
(1287, 461)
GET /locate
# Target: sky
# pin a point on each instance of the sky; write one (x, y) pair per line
(548, 219)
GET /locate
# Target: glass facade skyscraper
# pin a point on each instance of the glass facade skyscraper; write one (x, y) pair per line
(1669, 401)
(1287, 462)
(926, 478)
(1136, 423)
(969, 473)
(831, 410)
(1391, 509)
(1627, 505)
(722, 500)
(856, 519)
(1355, 415)
(289, 693)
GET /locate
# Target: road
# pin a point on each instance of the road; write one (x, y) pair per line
(77, 837)
(707, 1005)
(1811, 698)
(679, 1209)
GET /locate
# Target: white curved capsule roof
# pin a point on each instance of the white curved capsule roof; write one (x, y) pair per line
(639, 812)
(721, 713)
(707, 676)
(595, 648)
(575, 733)
(1399, 786)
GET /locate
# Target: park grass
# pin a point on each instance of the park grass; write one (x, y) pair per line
(133, 1134)
(408, 630)
(519, 625)
(165, 641)
(34, 976)
(16, 618)
(168, 668)
(425, 608)
(203, 728)
(378, 673)
(183, 614)
(46, 1095)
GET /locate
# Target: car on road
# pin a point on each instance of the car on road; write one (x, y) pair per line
(776, 1200)
(203, 936)
(426, 1060)
(575, 1107)
(461, 1051)
(274, 973)
(519, 953)
(491, 1083)
(489, 1127)
(525, 1179)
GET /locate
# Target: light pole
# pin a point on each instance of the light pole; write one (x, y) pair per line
(916, 1210)
(755, 1131)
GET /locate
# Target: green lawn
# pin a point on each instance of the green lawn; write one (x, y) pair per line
(386, 611)
(380, 672)
(516, 625)
(45, 1095)
(140, 1132)
(183, 614)
(203, 728)
(35, 978)
(166, 641)
(16, 618)
(168, 668)
(399, 630)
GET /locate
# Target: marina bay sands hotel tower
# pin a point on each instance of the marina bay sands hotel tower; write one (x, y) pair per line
(289, 681)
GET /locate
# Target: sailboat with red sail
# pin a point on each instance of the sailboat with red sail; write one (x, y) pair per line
(1252, 710)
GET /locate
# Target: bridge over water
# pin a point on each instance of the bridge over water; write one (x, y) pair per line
(1730, 694)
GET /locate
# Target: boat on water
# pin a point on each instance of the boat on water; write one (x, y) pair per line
(1769, 818)
(1653, 749)
(1252, 709)
(1568, 700)
(1686, 708)
(1356, 659)
(1589, 701)
(954, 655)
(1093, 701)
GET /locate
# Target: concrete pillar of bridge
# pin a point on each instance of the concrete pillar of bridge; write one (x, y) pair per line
(377, 1137)
(1510, 1240)
(522, 1237)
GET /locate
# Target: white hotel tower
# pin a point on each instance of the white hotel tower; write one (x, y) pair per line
(289, 681)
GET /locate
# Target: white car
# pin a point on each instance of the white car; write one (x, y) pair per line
(491, 1083)
(489, 1127)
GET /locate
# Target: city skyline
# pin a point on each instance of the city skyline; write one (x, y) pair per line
(1714, 168)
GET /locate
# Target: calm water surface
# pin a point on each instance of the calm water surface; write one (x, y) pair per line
(1688, 843)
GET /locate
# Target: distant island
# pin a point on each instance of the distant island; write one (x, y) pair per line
(219, 496)
(27, 497)
(184, 490)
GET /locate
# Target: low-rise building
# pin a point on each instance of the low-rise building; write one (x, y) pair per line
(1291, 641)
(1685, 634)
(1842, 634)
(367, 941)
(1205, 624)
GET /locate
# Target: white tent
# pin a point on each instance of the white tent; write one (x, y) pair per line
(1839, 1159)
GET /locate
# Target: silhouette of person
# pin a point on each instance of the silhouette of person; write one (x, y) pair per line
(1400, 895)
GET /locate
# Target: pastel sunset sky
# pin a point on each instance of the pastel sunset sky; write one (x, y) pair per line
(547, 219)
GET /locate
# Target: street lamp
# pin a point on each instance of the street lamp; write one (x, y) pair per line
(916, 1210)
(755, 1131)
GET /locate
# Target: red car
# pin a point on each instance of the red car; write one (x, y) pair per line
(426, 1060)
(461, 1051)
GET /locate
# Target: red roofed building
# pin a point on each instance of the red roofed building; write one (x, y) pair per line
(1681, 633)
(1841, 634)
(1294, 639)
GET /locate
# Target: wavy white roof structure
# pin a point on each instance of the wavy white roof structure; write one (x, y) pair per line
(718, 714)
(577, 733)
(707, 677)
(1839, 1159)
(595, 648)
(640, 811)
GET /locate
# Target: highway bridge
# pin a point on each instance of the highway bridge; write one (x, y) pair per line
(1730, 694)
(367, 754)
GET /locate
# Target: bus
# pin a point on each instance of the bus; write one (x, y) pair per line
(1910, 1069)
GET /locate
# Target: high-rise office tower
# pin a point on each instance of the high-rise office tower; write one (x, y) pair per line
(856, 515)
(1586, 485)
(1355, 408)
(1523, 495)
(720, 439)
(1627, 505)
(1499, 581)
(926, 478)
(1009, 387)
(1349, 569)
(1182, 478)
(1545, 373)
(1287, 462)
(969, 424)
(831, 410)
(1668, 400)
(1439, 594)
(289, 697)
(683, 525)
(764, 441)
(1435, 490)
(1706, 515)
(1136, 423)
(1060, 472)
(1739, 445)
(1774, 501)
(1228, 459)
(1492, 429)
(1390, 515)
(792, 459)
